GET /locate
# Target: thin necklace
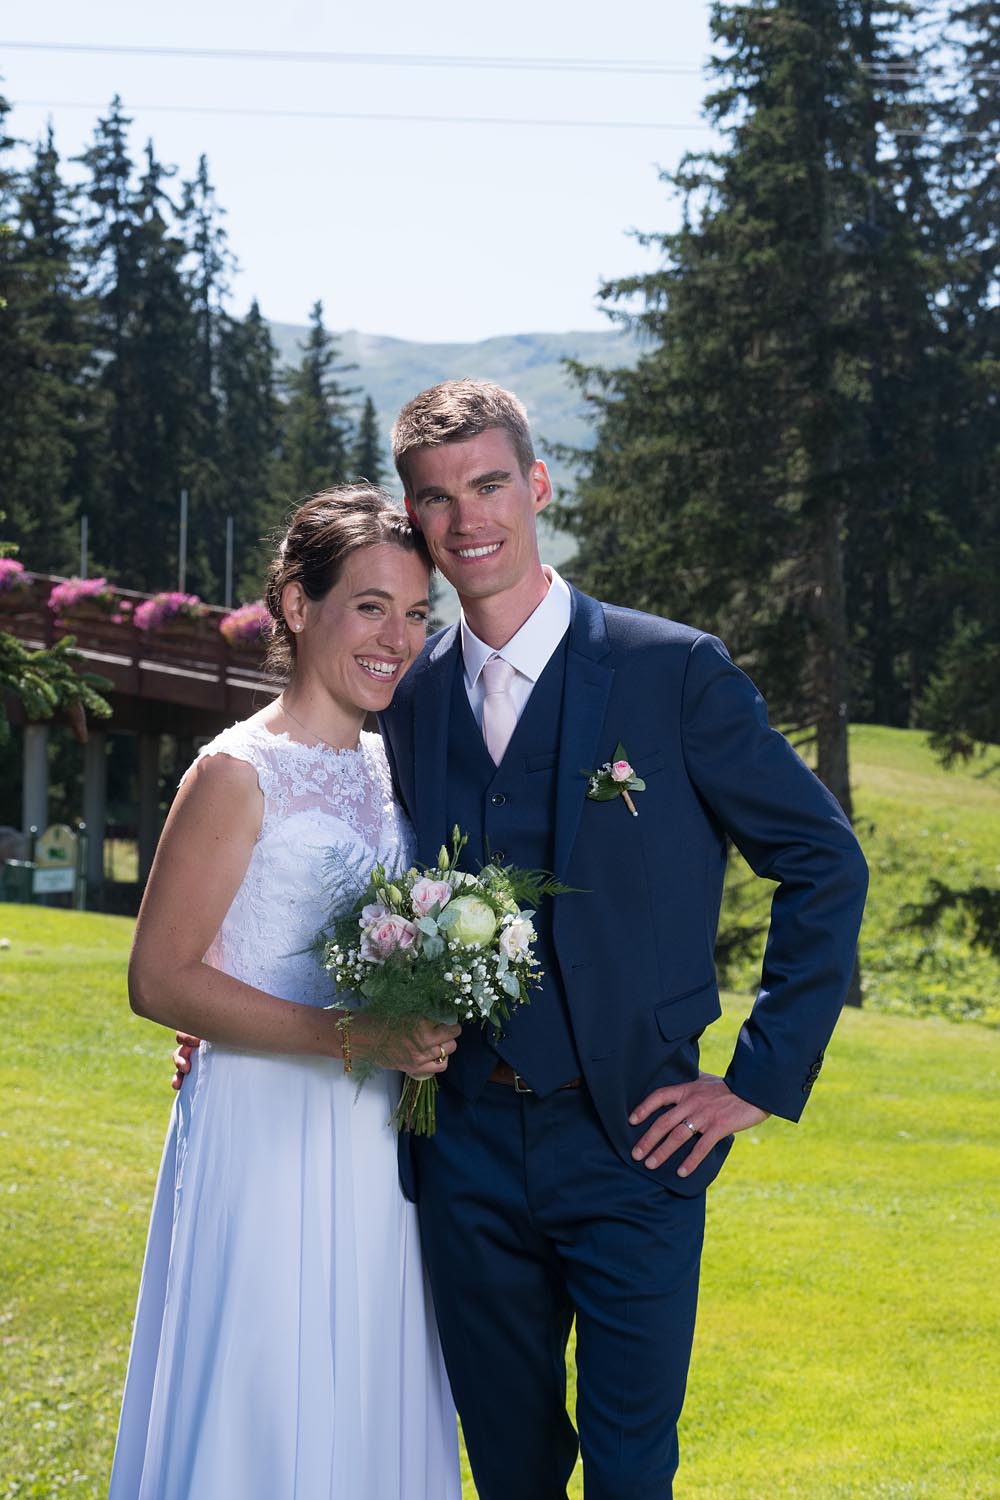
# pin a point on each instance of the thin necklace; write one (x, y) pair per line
(296, 720)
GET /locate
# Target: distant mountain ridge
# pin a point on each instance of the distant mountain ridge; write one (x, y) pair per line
(392, 370)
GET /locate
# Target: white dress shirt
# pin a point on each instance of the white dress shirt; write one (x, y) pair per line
(528, 651)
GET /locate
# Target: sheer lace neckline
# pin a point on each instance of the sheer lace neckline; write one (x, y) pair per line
(283, 736)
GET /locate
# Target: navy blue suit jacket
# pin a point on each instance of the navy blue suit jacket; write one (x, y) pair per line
(635, 941)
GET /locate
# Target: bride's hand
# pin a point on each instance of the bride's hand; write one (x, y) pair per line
(421, 1052)
(182, 1057)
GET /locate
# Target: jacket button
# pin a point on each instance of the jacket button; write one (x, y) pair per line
(498, 799)
(497, 857)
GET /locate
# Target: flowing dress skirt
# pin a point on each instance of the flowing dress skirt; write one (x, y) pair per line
(284, 1344)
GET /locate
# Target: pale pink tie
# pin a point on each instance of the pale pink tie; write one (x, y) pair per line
(499, 711)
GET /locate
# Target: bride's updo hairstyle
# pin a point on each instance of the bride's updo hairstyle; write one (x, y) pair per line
(321, 535)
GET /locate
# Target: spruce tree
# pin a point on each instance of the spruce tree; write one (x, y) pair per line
(248, 442)
(206, 278)
(961, 701)
(47, 410)
(148, 339)
(735, 462)
(316, 429)
(367, 461)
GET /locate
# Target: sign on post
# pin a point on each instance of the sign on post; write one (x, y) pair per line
(55, 861)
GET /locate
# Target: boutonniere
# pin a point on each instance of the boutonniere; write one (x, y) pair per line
(615, 778)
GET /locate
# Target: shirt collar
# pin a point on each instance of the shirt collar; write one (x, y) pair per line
(529, 649)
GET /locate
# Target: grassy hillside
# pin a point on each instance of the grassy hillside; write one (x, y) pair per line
(847, 1340)
(918, 822)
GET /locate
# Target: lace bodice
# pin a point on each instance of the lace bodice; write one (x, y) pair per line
(329, 816)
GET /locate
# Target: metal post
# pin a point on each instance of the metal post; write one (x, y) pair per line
(95, 807)
(229, 563)
(182, 545)
(149, 798)
(35, 787)
(84, 539)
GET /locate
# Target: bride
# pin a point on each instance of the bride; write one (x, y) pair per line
(284, 1344)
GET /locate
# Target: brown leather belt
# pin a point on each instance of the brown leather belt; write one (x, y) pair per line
(504, 1073)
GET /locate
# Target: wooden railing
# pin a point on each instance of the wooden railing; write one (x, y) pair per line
(188, 662)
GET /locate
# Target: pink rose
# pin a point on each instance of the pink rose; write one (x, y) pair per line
(427, 893)
(621, 771)
(390, 934)
(372, 913)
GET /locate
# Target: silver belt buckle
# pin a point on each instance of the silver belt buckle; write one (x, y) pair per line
(520, 1087)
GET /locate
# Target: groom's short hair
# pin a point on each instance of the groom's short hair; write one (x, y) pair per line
(457, 410)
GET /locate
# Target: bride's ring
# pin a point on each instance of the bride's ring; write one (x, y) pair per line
(693, 1129)
(442, 1055)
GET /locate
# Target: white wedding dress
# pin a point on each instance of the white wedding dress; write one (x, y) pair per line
(284, 1345)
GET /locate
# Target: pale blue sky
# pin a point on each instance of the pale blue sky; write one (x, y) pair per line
(430, 231)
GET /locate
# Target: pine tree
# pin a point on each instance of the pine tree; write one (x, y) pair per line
(209, 264)
(248, 442)
(148, 338)
(961, 702)
(735, 462)
(316, 428)
(47, 411)
(367, 461)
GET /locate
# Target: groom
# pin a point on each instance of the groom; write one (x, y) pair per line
(567, 1175)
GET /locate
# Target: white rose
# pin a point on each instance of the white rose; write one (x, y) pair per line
(476, 922)
(516, 938)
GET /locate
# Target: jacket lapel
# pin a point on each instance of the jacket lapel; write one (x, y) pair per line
(431, 711)
(585, 699)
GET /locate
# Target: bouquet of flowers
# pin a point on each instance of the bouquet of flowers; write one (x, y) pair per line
(441, 944)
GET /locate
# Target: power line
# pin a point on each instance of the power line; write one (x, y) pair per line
(386, 118)
(343, 115)
(378, 59)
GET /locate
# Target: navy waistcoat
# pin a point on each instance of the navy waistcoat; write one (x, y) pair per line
(508, 812)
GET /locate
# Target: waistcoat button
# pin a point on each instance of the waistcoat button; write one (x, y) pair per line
(498, 799)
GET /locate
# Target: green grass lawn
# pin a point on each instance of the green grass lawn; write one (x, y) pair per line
(847, 1343)
(848, 1335)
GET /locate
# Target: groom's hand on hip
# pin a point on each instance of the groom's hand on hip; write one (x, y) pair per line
(706, 1109)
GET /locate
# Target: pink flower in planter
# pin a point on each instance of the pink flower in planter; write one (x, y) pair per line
(71, 592)
(11, 574)
(155, 613)
(245, 626)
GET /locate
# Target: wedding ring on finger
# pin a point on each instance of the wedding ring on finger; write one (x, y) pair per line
(693, 1128)
(442, 1055)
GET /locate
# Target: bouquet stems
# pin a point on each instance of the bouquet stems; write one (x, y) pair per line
(416, 1110)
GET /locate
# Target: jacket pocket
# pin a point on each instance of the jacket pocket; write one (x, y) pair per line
(688, 1013)
(540, 762)
(648, 765)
